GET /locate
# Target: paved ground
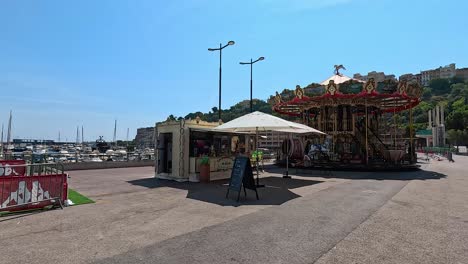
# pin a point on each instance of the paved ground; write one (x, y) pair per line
(410, 217)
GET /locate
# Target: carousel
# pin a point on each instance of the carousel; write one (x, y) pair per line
(368, 124)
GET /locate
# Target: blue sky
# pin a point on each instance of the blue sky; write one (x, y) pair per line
(71, 63)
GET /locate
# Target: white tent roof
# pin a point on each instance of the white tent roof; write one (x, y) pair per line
(261, 121)
(303, 130)
(341, 78)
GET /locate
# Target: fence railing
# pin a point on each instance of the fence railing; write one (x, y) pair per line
(76, 157)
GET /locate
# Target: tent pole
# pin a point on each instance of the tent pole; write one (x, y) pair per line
(287, 157)
(256, 157)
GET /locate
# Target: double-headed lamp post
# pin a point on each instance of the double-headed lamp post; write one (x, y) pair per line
(221, 47)
(251, 64)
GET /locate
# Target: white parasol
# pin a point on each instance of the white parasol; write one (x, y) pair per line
(256, 121)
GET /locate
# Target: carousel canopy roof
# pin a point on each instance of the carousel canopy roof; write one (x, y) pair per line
(339, 89)
(339, 78)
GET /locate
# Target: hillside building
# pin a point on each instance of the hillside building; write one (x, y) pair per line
(377, 76)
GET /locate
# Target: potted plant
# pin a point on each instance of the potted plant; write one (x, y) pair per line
(205, 169)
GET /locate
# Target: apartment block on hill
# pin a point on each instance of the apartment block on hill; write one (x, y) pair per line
(445, 72)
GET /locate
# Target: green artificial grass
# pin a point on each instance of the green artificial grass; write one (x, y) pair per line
(77, 198)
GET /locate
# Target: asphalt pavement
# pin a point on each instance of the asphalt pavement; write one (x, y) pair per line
(338, 217)
(298, 232)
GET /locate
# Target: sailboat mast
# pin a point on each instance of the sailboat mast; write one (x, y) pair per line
(9, 131)
(1, 151)
(82, 135)
(77, 135)
(115, 132)
(127, 136)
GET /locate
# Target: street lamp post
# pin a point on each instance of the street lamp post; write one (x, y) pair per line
(251, 64)
(221, 47)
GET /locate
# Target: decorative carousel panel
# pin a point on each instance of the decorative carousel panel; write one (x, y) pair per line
(278, 98)
(314, 91)
(402, 87)
(370, 86)
(350, 87)
(414, 90)
(332, 88)
(387, 87)
(299, 92)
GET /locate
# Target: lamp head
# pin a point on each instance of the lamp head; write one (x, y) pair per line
(231, 42)
(261, 58)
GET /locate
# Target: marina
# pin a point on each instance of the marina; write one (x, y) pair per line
(66, 152)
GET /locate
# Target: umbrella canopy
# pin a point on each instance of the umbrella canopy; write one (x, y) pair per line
(303, 130)
(256, 121)
(260, 121)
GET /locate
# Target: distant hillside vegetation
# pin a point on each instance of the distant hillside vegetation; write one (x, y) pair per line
(227, 115)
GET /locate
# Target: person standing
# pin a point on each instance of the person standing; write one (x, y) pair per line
(449, 156)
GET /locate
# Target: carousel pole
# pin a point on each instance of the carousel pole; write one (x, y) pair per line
(256, 158)
(335, 114)
(394, 127)
(256, 151)
(411, 135)
(367, 143)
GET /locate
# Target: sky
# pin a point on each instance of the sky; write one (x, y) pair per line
(87, 63)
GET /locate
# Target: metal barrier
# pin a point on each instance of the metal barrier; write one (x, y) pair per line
(29, 186)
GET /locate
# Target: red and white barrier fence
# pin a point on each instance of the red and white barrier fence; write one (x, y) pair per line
(29, 186)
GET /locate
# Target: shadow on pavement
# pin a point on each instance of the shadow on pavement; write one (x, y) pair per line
(362, 175)
(20, 214)
(276, 190)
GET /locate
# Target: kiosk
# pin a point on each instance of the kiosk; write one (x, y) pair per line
(182, 144)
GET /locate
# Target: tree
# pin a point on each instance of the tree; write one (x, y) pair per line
(440, 86)
(459, 90)
(171, 118)
(427, 93)
(456, 79)
(457, 120)
(457, 137)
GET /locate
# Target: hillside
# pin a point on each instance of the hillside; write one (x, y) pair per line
(233, 112)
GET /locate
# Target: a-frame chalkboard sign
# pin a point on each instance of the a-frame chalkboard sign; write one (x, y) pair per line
(241, 176)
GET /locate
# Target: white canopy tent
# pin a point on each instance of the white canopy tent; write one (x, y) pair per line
(256, 121)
